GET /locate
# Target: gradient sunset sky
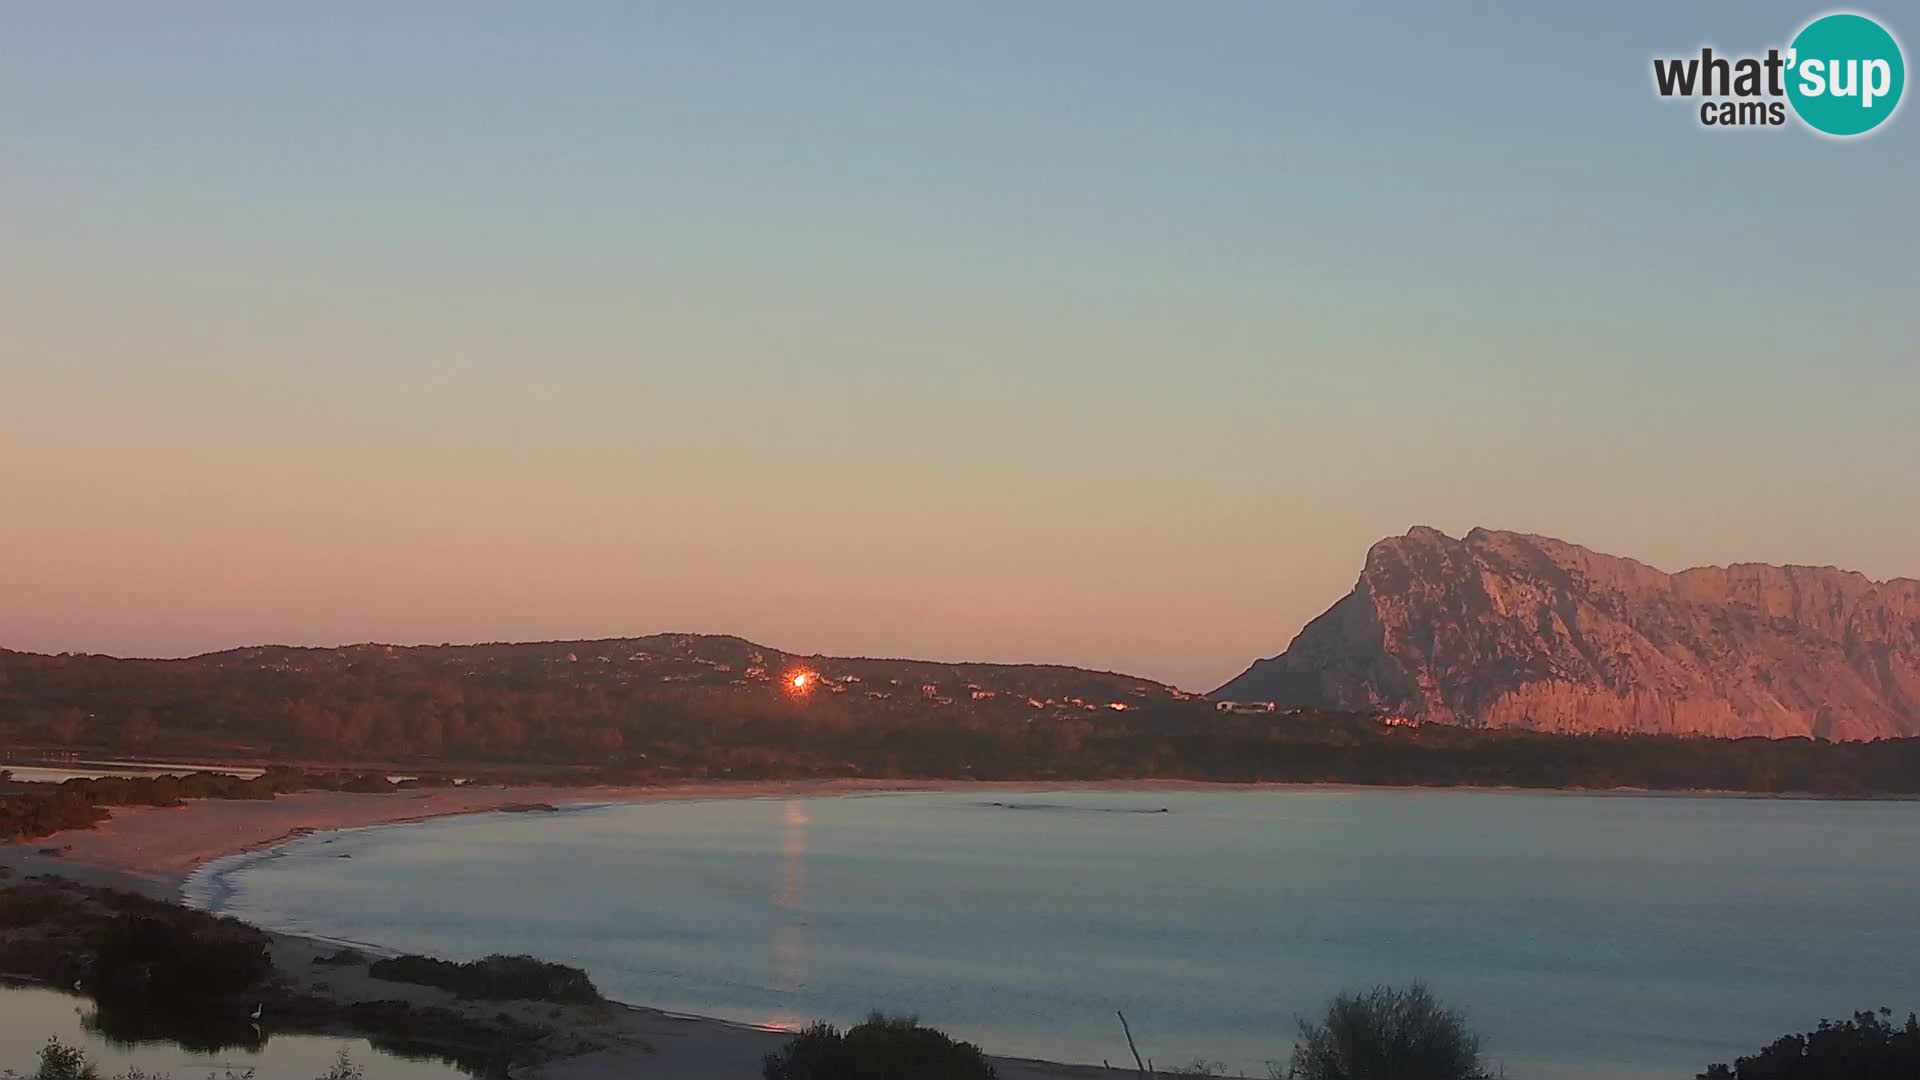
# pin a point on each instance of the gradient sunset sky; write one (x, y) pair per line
(1101, 333)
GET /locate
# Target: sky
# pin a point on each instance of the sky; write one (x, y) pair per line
(1098, 332)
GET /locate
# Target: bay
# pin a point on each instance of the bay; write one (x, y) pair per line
(1585, 935)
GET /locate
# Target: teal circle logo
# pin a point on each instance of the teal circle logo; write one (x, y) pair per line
(1845, 74)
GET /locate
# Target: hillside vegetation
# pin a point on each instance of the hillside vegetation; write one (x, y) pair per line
(669, 709)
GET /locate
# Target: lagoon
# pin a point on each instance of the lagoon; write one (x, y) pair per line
(33, 1014)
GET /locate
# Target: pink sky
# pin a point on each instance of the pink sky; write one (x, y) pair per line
(893, 330)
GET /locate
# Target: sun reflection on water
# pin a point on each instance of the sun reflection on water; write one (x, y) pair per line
(790, 905)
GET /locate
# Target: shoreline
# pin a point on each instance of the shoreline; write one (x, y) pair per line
(157, 851)
(164, 853)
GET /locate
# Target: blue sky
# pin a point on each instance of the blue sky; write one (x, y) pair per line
(1106, 333)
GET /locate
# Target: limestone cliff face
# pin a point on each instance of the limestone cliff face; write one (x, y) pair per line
(1503, 629)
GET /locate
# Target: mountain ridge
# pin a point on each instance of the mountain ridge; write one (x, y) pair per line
(709, 639)
(1509, 629)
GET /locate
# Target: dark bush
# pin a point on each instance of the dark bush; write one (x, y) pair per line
(367, 783)
(882, 1048)
(521, 978)
(1388, 1034)
(284, 780)
(819, 1052)
(139, 953)
(173, 961)
(26, 905)
(58, 1061)
(80, 803)
(1867, 1047)
(26, 816)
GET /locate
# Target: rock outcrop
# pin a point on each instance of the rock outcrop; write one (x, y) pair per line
(1504, 629)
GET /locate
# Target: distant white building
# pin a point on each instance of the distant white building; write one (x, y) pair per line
(1243, 708)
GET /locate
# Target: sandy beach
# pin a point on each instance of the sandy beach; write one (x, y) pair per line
(152, 851)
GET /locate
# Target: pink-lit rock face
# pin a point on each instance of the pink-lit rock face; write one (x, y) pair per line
(1504, 629)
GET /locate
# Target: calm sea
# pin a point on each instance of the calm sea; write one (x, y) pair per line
(1586, 936)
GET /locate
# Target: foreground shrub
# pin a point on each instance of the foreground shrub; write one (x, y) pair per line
(1866, 1047)
(343, 1068)
(1388, 1034)
(58, 1061)
(883, 1048)
(819, 1052)
(521, 978)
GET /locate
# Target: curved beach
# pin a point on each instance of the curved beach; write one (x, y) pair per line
(156, 851)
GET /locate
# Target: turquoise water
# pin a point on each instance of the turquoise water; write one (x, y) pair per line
(1586, 935)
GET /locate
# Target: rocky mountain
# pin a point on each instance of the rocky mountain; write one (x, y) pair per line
(1503, 629)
